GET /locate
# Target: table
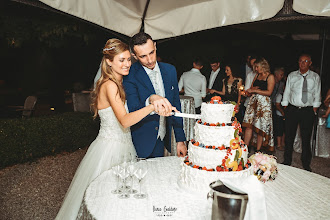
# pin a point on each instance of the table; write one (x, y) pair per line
(322, 146)
(295, 194)
(187, 106)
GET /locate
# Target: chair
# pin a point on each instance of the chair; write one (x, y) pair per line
(81, 102)
(29, 106)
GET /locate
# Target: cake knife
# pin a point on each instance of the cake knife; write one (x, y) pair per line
(185, 115)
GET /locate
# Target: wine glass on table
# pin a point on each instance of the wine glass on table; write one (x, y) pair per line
(140, 174)
(123, 174)
(131, 170)
(125, 166)
(116, 170)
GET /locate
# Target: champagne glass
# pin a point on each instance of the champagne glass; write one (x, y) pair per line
(123, 174)
(140, 174)
(124, 166)
(116, 170)
(131, 170)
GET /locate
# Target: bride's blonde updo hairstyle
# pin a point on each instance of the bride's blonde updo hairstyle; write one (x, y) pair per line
(112, 48)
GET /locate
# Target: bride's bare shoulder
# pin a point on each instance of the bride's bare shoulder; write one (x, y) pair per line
(109, 86)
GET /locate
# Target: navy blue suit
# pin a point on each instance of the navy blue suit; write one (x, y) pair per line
(138, 88)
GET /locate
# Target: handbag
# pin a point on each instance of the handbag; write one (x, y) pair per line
(328, 122)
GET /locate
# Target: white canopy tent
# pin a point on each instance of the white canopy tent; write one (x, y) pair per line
(167, 18)
(315, 7)
(170, 18)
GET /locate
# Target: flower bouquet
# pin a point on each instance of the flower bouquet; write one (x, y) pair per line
(264, 166)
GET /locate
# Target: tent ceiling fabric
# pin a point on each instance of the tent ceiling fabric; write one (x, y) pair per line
(167, 18)
(315, 7)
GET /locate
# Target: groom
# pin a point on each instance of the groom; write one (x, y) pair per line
(153, 82)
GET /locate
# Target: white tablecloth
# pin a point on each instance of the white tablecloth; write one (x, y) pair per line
(295, 194)
(322, 142)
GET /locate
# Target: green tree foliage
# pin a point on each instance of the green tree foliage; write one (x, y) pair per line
(20, 23)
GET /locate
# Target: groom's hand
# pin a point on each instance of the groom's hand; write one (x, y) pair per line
(161, 104)
(181, 149)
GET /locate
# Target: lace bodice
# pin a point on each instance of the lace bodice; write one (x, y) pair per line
(231, 90)
(110, 127)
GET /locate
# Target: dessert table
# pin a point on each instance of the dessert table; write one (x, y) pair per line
(295, 194)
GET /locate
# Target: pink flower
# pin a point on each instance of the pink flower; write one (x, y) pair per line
(267, 174)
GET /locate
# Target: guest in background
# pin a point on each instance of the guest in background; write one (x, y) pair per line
(247, 67)
(279, 83)
(327, 104)
(279, 122)
(215, 80)
(278, 111)
(231, 85)
(193, 83)
(258, 115)
(302, 98)
(248, 83)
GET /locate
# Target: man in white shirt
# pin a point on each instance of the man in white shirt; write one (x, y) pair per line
(249, 78)
(216, 77)
(301, 99)
(194, 84)
(247, 68)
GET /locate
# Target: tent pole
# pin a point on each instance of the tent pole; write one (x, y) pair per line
(144, 15)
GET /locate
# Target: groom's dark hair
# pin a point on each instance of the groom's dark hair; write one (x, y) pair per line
(139, 39)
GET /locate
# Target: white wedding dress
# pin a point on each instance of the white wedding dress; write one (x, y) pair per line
(112, 146)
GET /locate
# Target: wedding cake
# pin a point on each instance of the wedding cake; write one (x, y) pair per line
(217, 150)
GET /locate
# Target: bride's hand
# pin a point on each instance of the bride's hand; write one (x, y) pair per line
(175, 110)
(160, 111)
(161, 104)
(163, 112)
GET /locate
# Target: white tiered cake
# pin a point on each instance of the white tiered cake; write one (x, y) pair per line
(217, 150)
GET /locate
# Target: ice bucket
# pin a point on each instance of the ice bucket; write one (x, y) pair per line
(227, 204)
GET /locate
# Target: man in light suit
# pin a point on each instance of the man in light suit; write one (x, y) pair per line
(154, 82)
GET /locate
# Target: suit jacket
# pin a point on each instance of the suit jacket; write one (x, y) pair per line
(217, 85)
(138, 88)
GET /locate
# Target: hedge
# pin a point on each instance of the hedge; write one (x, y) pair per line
(25, 140)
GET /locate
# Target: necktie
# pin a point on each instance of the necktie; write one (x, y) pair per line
(304, 90)
(162, 122)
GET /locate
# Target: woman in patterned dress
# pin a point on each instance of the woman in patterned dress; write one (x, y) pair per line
(258, 115)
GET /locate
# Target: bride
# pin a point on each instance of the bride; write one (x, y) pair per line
(113, 145)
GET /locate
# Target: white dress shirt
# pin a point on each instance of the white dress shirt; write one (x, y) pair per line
(293, 89)
(278, 99)
(213, 76)
(248, 83)
(194, 84)
(247, 70)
